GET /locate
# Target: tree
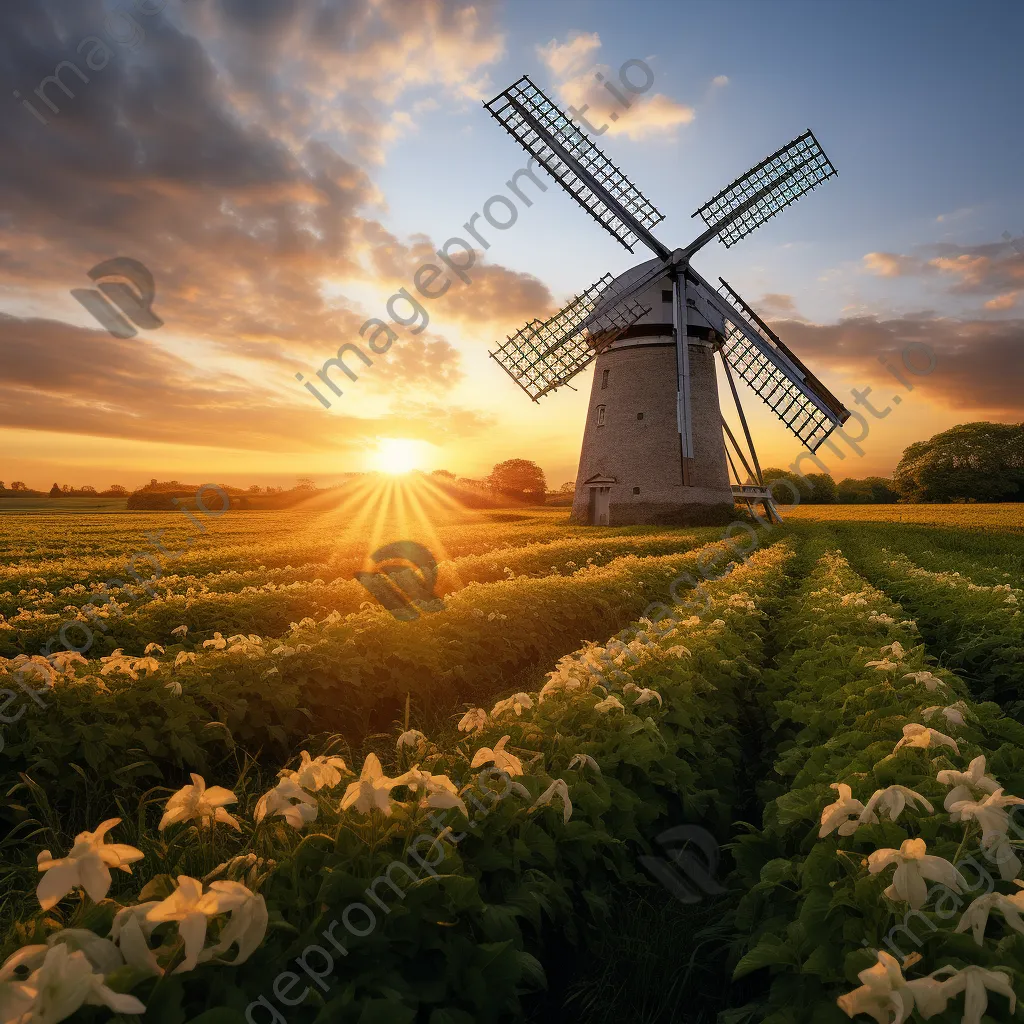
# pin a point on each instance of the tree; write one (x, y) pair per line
(519, 478)
(872, 490)
(305, 484)
(87, 489)
(65, 488)
(443, 472)
(2, 488)
(55, 491)
(255, 489)
(813, 489)
(116, 489)
(568, 487)
(970, 462)
(19, 485)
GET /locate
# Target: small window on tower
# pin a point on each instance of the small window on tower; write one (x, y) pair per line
(604, 379)
(636, 490)
(639, 415)
(666, 295)
(600, 415)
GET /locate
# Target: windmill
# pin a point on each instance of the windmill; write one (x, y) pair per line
(654, 447)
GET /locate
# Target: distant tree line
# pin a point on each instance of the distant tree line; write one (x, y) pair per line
(971, 462)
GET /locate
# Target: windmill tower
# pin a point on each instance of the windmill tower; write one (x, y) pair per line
(653, 448)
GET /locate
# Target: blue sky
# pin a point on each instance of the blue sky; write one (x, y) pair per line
(283, 166)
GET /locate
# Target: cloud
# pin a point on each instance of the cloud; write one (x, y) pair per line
(720, 80)
(1003, 302)
(232, 152)
(992, 267)
(588, 88)
(65, 379)
(775, 304)
(978, 363)
(889, 264)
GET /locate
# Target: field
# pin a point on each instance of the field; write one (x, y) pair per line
(583, 774)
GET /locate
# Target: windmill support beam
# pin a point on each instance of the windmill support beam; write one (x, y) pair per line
(683, 406)
(764, 494)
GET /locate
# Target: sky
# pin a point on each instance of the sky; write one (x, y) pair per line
(283, 167)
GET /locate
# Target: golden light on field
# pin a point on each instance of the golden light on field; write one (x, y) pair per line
(397, 455)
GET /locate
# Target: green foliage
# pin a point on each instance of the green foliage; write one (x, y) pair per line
(968, 462)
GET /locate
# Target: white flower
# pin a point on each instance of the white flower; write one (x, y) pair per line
(290, 801)
(196, 801)
(87, 865)
(101, 953)
(473, 720)
(915, 735)
(610, 703)
(184, 658)
(975, 916)
(150, 648)
(930, 681)
(503, 761)
(148, 665)
(191, 908)
(411, 738)
(131, 930)
(967, 784)
(976, 982)
(679, 651)
(954, 714)
(517, 702)
(584, 761)
(888, 997)
(218, 643)
(179, 631)
(1001, 853)
(315, 772)
(174, 686)
(438, 790)
(988, 813)
(913, 866)
(885, 665)
(895, 649)
(63, 984)
(246, 926)
(890, 803)
(842, 814)
(371, 790)
(561, 790)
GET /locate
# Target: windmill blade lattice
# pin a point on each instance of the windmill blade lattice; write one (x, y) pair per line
(543, 355)
(522, 109)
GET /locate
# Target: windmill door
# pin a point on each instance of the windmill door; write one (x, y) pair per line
(599, 499)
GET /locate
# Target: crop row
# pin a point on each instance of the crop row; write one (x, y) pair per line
(439, 913)
(243, 541)
(126, 719)
(233, 602)
(890, 777)
(977, 630)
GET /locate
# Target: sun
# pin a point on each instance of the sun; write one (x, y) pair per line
(397, 455)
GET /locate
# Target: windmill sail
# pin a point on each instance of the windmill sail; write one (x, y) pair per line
(767, 189)
(544, 355)
(759, 358)
(560, 146)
